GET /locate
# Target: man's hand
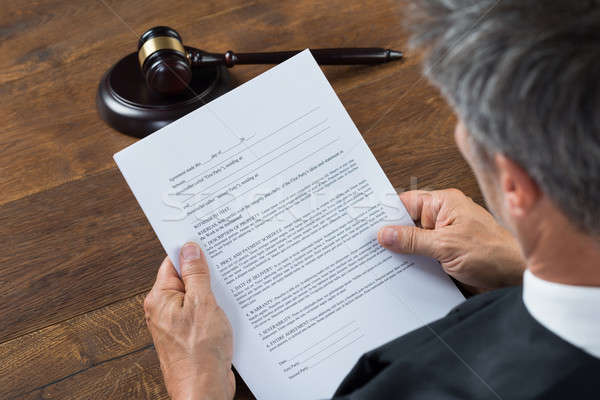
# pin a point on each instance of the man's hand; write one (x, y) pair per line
(191, 333)
(471, 246)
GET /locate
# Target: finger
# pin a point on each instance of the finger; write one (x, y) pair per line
(167, 278)
(413, 202)
(429, 211)
(194, 269)
(408, 240)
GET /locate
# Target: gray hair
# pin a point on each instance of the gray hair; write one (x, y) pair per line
(524, 76)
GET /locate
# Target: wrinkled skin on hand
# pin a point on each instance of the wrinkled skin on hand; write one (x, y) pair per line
(191, 333)
(470, 244)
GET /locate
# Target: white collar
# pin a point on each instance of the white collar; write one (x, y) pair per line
(570, 312)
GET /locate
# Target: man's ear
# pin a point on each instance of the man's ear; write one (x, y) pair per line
(520, 192)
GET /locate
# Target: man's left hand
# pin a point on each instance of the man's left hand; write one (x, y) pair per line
(192, 335)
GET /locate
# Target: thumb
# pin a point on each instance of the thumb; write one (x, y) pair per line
(194, 269)
(409, 240)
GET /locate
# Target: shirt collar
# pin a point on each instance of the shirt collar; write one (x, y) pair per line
(570, 312)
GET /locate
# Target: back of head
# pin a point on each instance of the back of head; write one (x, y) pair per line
(524, 76)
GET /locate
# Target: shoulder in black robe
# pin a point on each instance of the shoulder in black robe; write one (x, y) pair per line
(489, 347)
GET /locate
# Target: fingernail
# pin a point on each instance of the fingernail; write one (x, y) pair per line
(190, 252)
(388, 236)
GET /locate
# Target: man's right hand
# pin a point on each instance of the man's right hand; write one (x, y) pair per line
(471, 246)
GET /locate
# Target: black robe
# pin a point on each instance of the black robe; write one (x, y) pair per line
(489, 347)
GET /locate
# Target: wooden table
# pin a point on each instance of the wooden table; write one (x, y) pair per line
(77, 255)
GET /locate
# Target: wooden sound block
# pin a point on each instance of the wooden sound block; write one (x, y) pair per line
(128, 105)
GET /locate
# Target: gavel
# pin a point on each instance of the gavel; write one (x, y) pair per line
(167, 64)
(176, 79)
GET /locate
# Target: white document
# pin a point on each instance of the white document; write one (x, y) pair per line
(275, 182)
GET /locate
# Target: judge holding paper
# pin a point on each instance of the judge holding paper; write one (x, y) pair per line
(525, 83)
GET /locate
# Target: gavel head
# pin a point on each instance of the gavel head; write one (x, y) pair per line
(164, 61)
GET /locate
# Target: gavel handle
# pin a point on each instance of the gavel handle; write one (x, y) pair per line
(339, 56)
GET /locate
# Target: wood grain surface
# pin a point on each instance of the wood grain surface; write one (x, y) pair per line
(77, 253)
